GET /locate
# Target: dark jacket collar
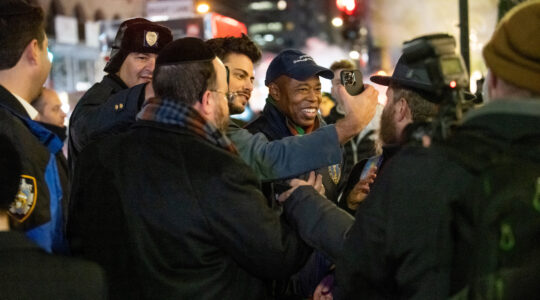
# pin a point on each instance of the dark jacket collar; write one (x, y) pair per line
(115, 82)
(10, 101)
(59, 131)
(276, 121)
(509, 119)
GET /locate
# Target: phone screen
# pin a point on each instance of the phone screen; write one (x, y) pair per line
(372, 161)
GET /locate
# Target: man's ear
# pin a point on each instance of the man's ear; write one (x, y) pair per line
(31, 52)
(402, 110)
(206, 105)
(273, 90)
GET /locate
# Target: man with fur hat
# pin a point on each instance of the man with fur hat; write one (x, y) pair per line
(129, 68)
(183, 216)
(461, 219)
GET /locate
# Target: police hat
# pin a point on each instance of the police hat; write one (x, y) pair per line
(137, 35)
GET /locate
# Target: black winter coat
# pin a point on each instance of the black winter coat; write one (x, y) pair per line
(108, 107)
(171, 216)
(401, 244)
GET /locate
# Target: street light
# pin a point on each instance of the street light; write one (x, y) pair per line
(203, 8)
(337, 22)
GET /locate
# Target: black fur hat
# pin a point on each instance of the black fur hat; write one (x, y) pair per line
(137, 35)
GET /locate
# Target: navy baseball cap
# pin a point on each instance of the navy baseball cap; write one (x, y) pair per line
(295, 64)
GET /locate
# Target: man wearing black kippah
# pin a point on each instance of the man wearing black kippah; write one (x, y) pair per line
(109, 106)
(182, 216)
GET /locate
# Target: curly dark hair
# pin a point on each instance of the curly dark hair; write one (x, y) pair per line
(242, 45)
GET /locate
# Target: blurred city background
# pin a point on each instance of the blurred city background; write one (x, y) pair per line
(369, 32)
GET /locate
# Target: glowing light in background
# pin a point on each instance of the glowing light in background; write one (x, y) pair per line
(203, 8)
(346, 6)
(354, 55)
(476, 75)
(50, 55)
(158, 18)
(337, 22)
(282, 5)
(269, 37)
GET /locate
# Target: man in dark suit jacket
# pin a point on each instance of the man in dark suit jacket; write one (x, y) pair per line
(28, 272)
(24, 67)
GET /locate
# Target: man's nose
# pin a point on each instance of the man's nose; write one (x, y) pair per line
(249, 85)
(151, 64)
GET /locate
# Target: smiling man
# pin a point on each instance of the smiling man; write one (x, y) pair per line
(279, 158)
(130, 67)
(292, 108)
(239, 54)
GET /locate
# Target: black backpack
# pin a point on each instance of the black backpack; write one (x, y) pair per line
(496, 228)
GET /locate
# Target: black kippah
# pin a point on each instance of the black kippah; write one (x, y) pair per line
(184, 50)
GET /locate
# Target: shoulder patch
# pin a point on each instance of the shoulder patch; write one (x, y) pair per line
(25, 200)
(335, 173)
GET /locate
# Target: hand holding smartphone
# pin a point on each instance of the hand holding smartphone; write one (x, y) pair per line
(352, 80)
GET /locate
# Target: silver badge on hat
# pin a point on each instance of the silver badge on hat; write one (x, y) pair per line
(151, 38)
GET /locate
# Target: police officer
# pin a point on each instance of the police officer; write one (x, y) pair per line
(130, 67)
(38, 208)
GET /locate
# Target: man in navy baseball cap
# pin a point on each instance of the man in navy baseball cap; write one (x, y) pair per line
(295, 64)
(295, 89)
(292, 110)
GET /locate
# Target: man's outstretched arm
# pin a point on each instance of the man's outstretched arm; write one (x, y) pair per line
(296, 155)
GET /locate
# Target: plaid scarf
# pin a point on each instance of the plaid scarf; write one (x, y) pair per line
(167, 111)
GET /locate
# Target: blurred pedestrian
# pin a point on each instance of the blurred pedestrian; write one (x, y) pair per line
(51, 115)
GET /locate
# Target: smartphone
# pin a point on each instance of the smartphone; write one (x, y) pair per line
(352, 80)
(372, 161)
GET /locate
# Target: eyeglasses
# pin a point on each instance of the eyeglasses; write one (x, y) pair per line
(228, 95)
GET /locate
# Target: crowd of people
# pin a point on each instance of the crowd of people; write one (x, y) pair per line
(164, 196)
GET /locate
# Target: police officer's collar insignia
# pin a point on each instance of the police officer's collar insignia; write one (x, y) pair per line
(150, 38)
(25, 200)
(335, 173)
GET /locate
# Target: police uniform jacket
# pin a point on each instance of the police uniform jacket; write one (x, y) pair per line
(106, 108)
(28, 273)
(171, 216)
(36, 210)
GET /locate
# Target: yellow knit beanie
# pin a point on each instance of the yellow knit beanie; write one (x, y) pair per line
(513, 53)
